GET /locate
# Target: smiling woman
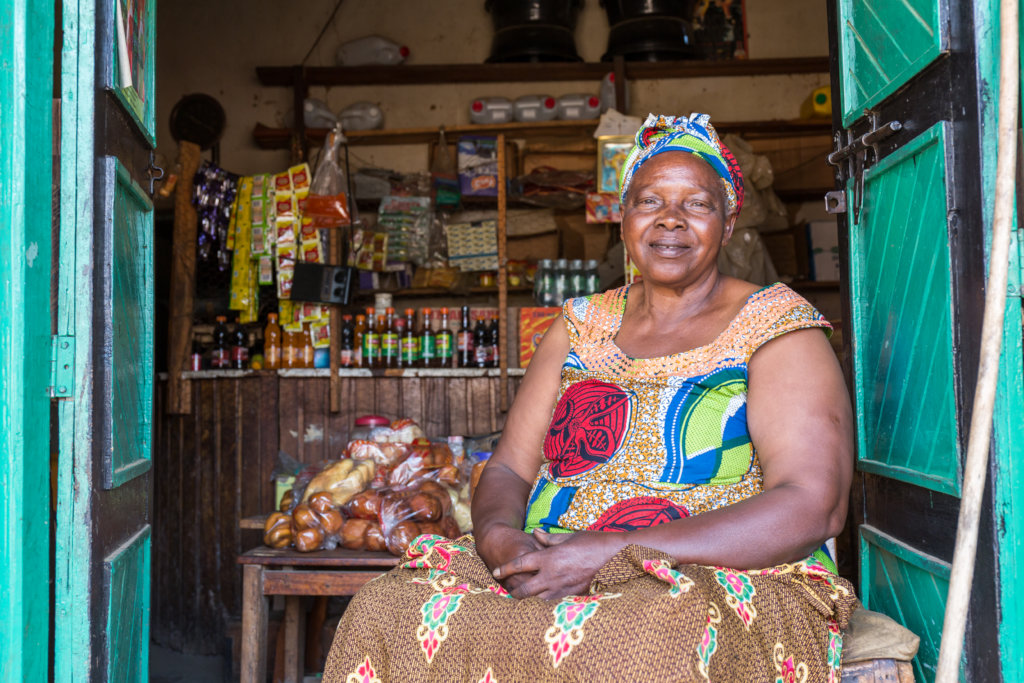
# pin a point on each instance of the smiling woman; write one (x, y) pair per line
(677, 455)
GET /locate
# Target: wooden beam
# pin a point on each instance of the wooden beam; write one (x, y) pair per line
(254, 626)
(329, 582)
(527, 72)
(183, 282)
(502, 273)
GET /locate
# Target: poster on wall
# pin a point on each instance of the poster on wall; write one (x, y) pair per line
(133, 62)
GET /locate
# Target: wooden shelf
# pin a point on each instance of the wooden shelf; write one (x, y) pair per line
(425, 292)
(280, 138)
(424, 74)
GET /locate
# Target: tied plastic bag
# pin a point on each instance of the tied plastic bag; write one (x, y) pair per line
(327, 204)
(424, 508)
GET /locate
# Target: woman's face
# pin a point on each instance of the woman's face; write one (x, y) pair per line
(676, 219)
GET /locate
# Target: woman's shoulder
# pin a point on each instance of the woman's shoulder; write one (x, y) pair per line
(775, 310)
(594, 314)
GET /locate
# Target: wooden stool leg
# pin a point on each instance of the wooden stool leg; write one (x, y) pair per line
(254, 626)
(314, 631)
(294, 653)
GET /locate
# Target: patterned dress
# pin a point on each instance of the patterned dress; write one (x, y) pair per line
(632, 443)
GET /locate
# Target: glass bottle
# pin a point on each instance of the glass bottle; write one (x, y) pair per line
(591, 278)
(347, 358)
(445, 349)
(577, 285)
(428, 341)
(371, 341)
(239, 348)
(480, 351)
(389, 341)
(561, 283)
(464, 342)
(219, 359)
(272, 343)
(541, 281)
(407, 353)
(494, 342)
(358, 332)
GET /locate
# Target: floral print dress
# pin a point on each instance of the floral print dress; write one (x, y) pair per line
(632, 443)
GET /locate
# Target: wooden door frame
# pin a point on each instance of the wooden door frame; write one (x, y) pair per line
(26, 92)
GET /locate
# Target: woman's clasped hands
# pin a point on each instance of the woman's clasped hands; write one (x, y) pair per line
(563, 564)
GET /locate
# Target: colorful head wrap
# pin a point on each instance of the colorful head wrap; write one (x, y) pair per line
(681, 134)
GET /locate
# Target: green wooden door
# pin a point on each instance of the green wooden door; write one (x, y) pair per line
(105, 309)
(26, 88)
(915, 235)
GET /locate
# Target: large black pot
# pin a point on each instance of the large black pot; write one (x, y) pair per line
(533, 30)
(650, 30)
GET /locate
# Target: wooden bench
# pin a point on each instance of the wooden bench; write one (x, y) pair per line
(295, 575)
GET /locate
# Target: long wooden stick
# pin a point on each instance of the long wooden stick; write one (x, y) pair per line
(183, 282)
(502, 274)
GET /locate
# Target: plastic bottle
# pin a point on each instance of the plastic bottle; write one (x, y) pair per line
(361, 116)
(535, 108)
(196, 360)
(370, 50)
(464, 342)
(578, 107)
(608, 93)
(491, 110)
(540, 281)
(560, 290)
(389, 340)
(221, 356)
(591, 277)
(371, 341)
(444, 342)
(577, 282)
(307, 350)
(272, 343)
(494, 343)
(428, 341)
(407, 355)
(291, 350)
(316, 114)
(347, 357)
(358, 332)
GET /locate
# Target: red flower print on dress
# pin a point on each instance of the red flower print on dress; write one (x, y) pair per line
(363, 674)
(588, 427)
(638, 513)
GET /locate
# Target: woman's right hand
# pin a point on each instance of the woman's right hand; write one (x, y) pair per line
(502, 544)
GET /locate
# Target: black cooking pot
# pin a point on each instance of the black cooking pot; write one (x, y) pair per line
(651, 30)
(533, 30)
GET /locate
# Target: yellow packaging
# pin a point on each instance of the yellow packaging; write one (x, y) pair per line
(300, 177)
(265, 270)
(285, 234)
(241, 293)
(282, 184)
(321, 334)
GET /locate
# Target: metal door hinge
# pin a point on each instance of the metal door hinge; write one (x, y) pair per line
(1016, 274)
(62, 366)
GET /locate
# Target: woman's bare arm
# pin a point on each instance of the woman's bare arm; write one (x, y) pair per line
(499, 503)
(801, 422)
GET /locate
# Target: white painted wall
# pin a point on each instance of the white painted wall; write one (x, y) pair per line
(214, 47)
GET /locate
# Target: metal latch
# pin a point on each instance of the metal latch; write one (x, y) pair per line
(62, 367)
(854, 155)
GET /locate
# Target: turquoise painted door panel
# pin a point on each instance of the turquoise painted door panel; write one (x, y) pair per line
(128, 68)
(908, 585)
(901, 305)
(129, 255)
(883, 44)
(126, 574)
(105, 303)
(26, 101)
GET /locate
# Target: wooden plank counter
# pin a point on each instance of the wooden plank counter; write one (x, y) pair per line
(213, 467)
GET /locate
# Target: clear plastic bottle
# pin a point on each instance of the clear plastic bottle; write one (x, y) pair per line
(361, 116)
(577, 283)
(535, 108)
(541, 280)
(578, 107)
(272, 343)
(591, 276)
(561, 283)
(491, 110)
(370, 50)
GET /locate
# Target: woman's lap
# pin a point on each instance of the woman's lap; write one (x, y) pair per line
(442, 617)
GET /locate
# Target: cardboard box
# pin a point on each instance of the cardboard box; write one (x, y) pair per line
(532, 247)
(823, 244)
(533, 323)
(580, 239)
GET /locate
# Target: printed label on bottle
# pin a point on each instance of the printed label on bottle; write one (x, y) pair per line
(371, 347)
(219, 359)
(408, 351)
(197, 362)
(465, 341)
(429, 348)
(389, 345)
(272, 357)
(444, 346)
(480, 354)
(239, 354)
(347, 358)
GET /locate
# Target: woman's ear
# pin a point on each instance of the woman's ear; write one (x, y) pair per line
(729, 226)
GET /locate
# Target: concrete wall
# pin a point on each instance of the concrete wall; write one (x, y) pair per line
(214, 47)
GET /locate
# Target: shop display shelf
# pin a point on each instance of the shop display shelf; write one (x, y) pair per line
(266, 137)
(426, 292)
(402, 372)
(426, 74)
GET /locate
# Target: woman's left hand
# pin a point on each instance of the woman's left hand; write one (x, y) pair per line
(566, 565)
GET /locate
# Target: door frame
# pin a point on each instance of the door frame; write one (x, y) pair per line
(26, 94)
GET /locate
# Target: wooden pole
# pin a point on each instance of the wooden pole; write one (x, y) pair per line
(502, 273)
(334, 239)
(183, 282)
(619, 69)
